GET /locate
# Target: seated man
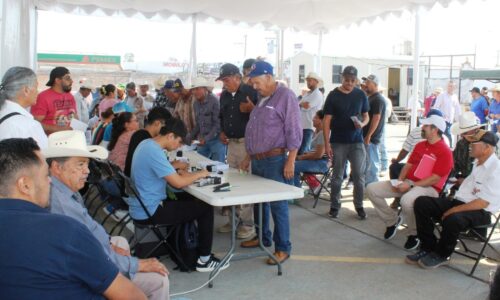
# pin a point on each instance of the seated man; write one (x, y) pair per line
(316, 160)
(68, 159)
(415, 180)
(151, 171)
(46, 256)
(477, 198)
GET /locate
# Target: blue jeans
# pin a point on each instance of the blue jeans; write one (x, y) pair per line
(312, 166)
(307, 135)
(272, 168)
(384, 162)
(372, 163)
(213, 149)
(356, 154)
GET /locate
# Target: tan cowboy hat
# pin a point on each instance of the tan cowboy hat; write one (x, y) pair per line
(466, 122)
(71, 143)
(201, 82)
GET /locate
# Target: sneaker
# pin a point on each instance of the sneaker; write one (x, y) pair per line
(245, 232)
(412, 242)
(210, 264)
(433, 260)
(333, 213)
(224, 228)
(361, 213)
(390, 231)
(413, 259)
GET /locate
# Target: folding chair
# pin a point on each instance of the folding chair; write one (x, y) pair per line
(323, 181)
(161, 231)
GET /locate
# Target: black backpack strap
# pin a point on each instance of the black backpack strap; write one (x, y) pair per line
(8, 116)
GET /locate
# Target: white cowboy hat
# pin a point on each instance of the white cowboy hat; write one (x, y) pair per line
(201, 82)
(314, 76)
(466, 122)
(71, 143)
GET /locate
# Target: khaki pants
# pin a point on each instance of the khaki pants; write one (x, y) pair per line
(377, 192)
(236, 153)
(154, 285)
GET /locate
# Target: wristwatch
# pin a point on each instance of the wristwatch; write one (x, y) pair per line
(411, 185)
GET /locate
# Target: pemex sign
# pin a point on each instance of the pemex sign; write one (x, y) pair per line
(79, 58)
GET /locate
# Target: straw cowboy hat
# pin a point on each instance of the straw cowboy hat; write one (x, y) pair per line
(71, 143)
(466, 122)
(201, 82)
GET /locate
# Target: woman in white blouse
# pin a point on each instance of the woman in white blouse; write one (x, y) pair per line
(18, 91)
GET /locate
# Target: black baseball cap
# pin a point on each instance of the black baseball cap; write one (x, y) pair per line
(228, 70)
(57, 72)
(484, 136)
(247, 64)
(350, 71)
(476, 90)
(174, 85)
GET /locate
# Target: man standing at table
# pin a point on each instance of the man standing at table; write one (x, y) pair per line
(272, 139)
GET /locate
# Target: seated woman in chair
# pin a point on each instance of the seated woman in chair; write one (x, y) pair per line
(315, 161)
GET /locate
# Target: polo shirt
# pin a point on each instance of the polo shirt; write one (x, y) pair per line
(482, 184)
(440, 151)
(22, 125)
(46, 256)
(478, 106)
(342, 107)
(233, 122)
(149, 167)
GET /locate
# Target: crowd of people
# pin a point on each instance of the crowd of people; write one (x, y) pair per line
(256, 124)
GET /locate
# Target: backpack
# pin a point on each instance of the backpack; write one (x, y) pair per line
(186, 244)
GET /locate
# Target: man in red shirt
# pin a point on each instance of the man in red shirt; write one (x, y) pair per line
(424, 174)
(55, 107)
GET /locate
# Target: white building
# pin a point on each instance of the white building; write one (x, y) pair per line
(395, 74)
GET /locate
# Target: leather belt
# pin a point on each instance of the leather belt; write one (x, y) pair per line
(270, 153)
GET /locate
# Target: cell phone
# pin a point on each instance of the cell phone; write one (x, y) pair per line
(225, 187)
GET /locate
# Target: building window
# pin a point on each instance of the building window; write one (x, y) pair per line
(302, 73)
(337, 74)
(409, 76)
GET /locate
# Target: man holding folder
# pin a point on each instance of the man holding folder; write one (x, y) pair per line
(424, 174)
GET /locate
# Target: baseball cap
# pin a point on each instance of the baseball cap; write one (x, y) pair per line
(434, 112)
(475, 90)
(350, 71)
(57, 72)
(174, 85)
(121, 107)
(130, 85)
(227, 70)
(86, 85)
(373, 78)
(261, 68)
(484, 136)
(435, 120)
(247, 64)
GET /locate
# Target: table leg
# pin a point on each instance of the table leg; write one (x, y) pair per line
(229, 254)
(261, 243)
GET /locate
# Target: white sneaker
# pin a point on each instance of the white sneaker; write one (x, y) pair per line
(224, 228)
(210, 265)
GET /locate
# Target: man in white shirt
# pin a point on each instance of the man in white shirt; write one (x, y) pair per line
(310, 103)
(475, 201)
(83, 98)
(448, 104)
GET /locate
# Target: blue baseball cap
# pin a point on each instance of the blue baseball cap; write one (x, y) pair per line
(121, 107)
(261, 68)
(434, 112)
(174, 85)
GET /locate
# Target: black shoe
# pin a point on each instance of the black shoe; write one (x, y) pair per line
(334, 213)
(413, 259)
(412, 242)
(361, 213)
(210, 264)
(433, 260)
(390, 231)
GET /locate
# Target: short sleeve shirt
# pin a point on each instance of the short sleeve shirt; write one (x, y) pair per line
(48, 256)
(342, 107)
(377, 107)
(57, 108)
(149, 167)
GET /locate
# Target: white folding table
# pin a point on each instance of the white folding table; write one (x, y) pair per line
(245, 189)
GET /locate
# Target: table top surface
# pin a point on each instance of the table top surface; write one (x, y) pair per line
(245, 188)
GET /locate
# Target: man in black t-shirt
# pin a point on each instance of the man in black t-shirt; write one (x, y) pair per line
(372, 133)
(346, 113)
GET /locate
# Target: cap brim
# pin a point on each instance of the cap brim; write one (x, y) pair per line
(92, 152)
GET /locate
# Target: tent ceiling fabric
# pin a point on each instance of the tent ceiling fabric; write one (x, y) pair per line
(306, 15)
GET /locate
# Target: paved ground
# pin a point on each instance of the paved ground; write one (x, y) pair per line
(336, 259)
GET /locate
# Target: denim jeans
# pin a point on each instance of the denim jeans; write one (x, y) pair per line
(356, 154)
(313, 166)
(372, 163)
(384, 162)
(213, 149)
(307, 135)
(272, 168)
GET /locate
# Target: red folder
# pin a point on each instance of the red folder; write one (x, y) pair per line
(424, 170)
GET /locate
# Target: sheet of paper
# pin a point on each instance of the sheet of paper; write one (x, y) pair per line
(78, 125)
(395, 182)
